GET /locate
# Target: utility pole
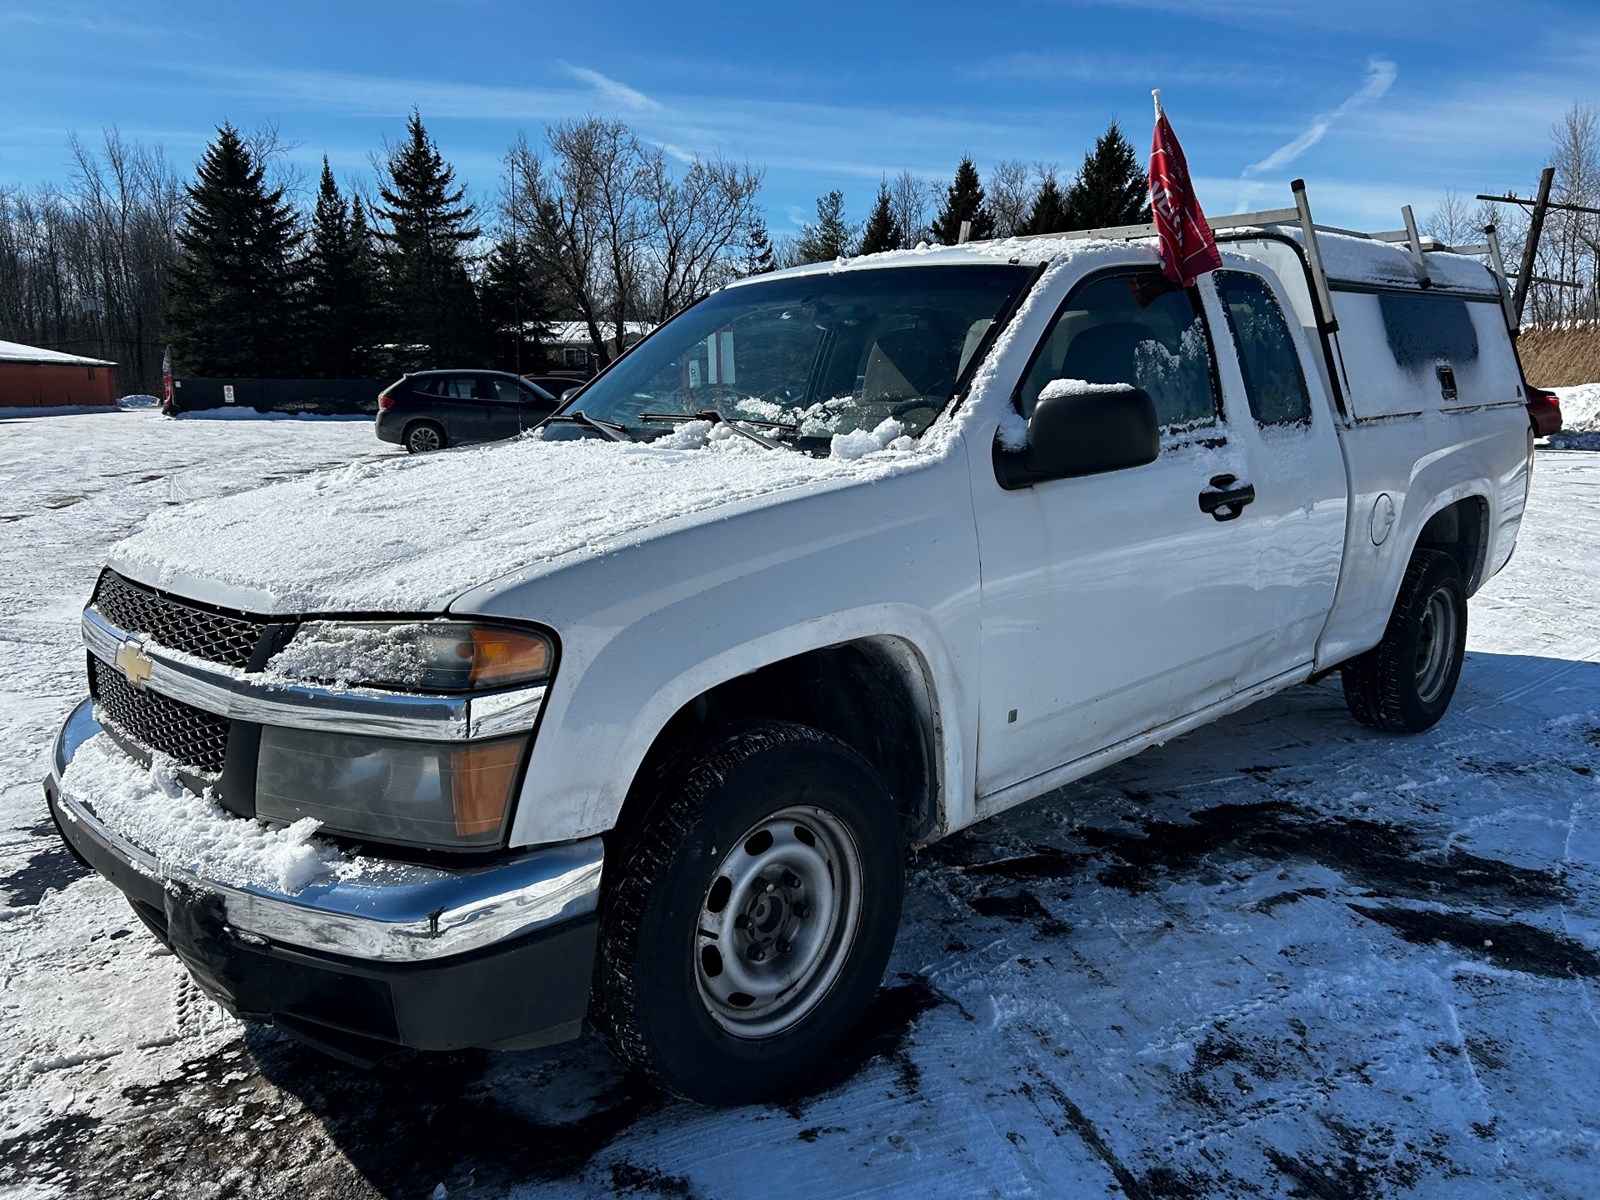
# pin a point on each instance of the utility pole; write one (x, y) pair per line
(1541, 205)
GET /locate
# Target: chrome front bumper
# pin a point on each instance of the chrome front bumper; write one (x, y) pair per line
(401, 913)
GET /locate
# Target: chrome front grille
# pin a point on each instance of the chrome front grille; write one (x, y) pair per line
(177, 624)
(197, 740)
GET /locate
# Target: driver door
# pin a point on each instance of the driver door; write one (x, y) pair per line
(1108, 599)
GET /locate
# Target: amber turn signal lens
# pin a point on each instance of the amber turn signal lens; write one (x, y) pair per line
(506, 655)
(481, 776)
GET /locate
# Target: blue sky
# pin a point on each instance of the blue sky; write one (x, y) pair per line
(1375, 102)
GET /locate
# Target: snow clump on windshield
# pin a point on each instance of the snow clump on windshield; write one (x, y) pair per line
(858, 443)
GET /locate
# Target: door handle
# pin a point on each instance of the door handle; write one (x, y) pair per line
(1226, 497)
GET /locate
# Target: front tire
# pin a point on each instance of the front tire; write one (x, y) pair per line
(1404, 684)
(749, 913)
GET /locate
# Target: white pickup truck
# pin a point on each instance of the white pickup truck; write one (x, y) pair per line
(632, 718)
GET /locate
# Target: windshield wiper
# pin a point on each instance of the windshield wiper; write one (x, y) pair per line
(734, 423)
(617, 433)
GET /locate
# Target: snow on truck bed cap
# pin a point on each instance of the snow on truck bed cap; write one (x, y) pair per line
(411, 534)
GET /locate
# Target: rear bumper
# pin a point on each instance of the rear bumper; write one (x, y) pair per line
(429, 959)
(388, 427)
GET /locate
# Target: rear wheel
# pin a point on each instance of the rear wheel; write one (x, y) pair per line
(425, 436)
(1404, 684)
(749, 915)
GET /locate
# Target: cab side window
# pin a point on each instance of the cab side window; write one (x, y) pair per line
(1273, 380)
(1133, 328)
(508, 391)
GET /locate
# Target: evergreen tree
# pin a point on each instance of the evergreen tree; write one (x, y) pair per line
(340, 288)
(758, 257)
(830, 236)
(963, 201)
(516, 306)
(366, 270)
(425, 254)
(883, 231)
(234, 297)
(1111, 188)
(1049, 212)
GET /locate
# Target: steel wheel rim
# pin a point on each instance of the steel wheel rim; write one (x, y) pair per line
(424, 437)
(778, 922)
(1436, 642)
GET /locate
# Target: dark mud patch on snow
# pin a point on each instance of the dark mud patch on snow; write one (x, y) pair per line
(50, 1153)
(1389, 859)
(881, 1035)
(428, 1118)
(1271, 903)
(1157, 1183)
(50, 869)
(265, 1117)
(1022, 907)
(629, 1180)
(1509, 944)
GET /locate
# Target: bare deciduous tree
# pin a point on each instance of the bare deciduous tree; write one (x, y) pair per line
(620, 238)
(83, 269)
(911, 199)
(1011, 194)
(1451, 222)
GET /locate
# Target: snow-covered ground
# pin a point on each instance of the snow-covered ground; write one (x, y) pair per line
(1283, 956)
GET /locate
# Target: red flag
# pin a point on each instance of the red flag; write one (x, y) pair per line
(1187, 247)
(166, 379)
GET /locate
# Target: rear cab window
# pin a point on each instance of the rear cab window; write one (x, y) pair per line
(1269, 361)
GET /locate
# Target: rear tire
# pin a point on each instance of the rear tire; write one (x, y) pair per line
(1404, 684)
(425, 436)
(749, 912)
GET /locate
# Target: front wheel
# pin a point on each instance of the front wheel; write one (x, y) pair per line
(749, 915)
(1404, 684)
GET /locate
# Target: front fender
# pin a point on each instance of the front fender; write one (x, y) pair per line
(647, 628)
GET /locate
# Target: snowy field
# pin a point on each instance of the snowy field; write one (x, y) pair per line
(1283, 956)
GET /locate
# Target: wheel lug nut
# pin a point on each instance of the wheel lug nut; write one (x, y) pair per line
(757, 954)
(783, 946)
(743, 922)
(802, 911)
(771, 887)
(791, 880)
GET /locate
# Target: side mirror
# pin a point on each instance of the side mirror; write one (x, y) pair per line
(1083, 433)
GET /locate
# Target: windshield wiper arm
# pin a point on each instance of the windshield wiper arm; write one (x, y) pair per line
(733, 423)
(617, 433)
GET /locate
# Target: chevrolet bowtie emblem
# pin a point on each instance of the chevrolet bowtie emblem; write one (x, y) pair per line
(134, 663)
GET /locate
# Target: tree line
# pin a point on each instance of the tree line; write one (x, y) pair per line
(1108, 190)
(404, 271)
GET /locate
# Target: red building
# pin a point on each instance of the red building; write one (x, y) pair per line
(35, 378)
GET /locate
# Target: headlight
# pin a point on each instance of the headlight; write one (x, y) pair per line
(417, 656)
(454, 795)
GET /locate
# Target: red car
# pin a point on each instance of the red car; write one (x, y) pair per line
(1544, 410)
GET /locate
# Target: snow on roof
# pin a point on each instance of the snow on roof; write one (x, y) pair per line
(578, 331)
(1347, 258)
(18, 353)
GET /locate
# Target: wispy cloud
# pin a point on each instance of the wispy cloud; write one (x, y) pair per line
(616, 92)
(1380, 78)
(1138, 70)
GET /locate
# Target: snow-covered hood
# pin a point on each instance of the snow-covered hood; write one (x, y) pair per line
(412, 534)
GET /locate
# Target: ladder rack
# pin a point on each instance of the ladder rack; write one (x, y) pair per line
(1300, 215)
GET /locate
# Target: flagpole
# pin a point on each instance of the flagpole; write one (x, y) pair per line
(1155, 94)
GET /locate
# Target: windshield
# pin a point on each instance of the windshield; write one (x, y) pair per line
(809, 356)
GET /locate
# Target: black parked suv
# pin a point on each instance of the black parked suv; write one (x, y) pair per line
(429, 410)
